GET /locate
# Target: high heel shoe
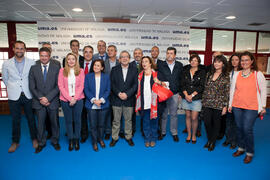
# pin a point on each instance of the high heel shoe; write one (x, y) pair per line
(187, 140)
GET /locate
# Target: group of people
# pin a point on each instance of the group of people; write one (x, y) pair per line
(104, 93)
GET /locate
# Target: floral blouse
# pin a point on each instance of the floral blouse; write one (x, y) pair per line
(216, 93)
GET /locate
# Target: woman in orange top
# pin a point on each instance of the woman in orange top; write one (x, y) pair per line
(247, 99)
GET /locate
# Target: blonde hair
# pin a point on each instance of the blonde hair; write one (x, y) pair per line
(76, 67)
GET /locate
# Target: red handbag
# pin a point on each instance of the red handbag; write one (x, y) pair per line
(162, 92)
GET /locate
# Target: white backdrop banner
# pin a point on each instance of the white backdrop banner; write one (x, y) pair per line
(123, 36)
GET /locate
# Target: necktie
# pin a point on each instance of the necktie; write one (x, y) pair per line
(86, 68)
(102, 57)
(45, 72)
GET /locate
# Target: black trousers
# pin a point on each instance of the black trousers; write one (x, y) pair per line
(212, 122)
(84, 124)
(222, 126)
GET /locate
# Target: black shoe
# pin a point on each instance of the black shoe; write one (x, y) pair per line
(233, 146)
(175, 138)
(102, 144)
(188, 140)
(56, 146)
(160, 137)
(39, 149)
(225, 144)
(77, 144)
(107, 136)
(130, 142)
(121, 135)
(70, 147)
(207, 145)
(95, 147)
(211, 147)
(113, 142)
(83, 140)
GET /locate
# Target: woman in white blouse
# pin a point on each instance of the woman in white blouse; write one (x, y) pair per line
(97, 90)
(71, 85)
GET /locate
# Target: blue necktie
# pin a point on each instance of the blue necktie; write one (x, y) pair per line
(45, 72)
(102, 57)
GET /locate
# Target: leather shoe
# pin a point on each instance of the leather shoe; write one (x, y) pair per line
(83, 140)
(207, 145)
(238, 153)
(95, 147)
(13, 147)
(248, 159)
(175, 138)
(113, 142)
(107, 136)
(147, 144)
(233, 146)
(211, 147)
(153, 144)
(77, 144)
(130, 142)
(225, 144)
(56, 146)
(39, 149)
(102, 144)
(70, 147)
(161, 136)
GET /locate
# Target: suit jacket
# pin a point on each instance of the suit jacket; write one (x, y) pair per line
(173, 78)
(48, 89)
(108, 66)
(119, 85)
(63, 86)
(90, 89)
(14, 82)
(159, 63)
(96, 56)
(81, 61)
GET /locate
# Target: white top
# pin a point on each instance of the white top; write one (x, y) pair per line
(97, 79)
(124, 71)
(47, 66)
(71, 82)
(261, 90)
(147, 92)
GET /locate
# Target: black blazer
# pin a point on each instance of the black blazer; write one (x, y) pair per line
(39, 88)
(81, 61)
(173, 78)
(129, 86)
(197, 84)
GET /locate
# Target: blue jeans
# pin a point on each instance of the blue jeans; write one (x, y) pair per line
(150, 126)
(73, 113)
(97, 121)
(15, 111)
(245, 120)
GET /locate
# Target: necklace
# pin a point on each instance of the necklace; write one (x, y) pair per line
(245, 75)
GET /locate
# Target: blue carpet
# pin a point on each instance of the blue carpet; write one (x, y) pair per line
(168, 160)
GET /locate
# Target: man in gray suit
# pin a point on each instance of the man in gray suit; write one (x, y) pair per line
(43, 84)
(109, 64)
(15, 73)
(101, 46)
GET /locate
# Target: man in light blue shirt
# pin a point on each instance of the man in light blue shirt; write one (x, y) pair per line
(15, 74)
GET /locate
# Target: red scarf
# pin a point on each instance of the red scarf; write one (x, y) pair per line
(154, 105)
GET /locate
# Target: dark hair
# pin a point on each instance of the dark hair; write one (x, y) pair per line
(151, 61)
(19, 42)
(171, 48)
(193, 53)
(195, 56)
(102, 64)
(115, 48)
(224, 67)
(45, 49)
(88, 47)
(254, 64)
(125, 52)
(230, 67)
(74, 40)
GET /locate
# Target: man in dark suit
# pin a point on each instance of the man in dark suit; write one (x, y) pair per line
(109, 64)
(43, 84)
(171, 71)
(87, 66)
(124, 82)
(47, 122)
(101, 46)
(75, 46)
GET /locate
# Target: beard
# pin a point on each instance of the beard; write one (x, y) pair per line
(19, 55)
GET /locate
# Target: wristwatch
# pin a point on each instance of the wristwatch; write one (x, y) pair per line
(192, 95)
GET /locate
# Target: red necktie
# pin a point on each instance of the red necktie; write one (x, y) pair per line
(86, 69)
